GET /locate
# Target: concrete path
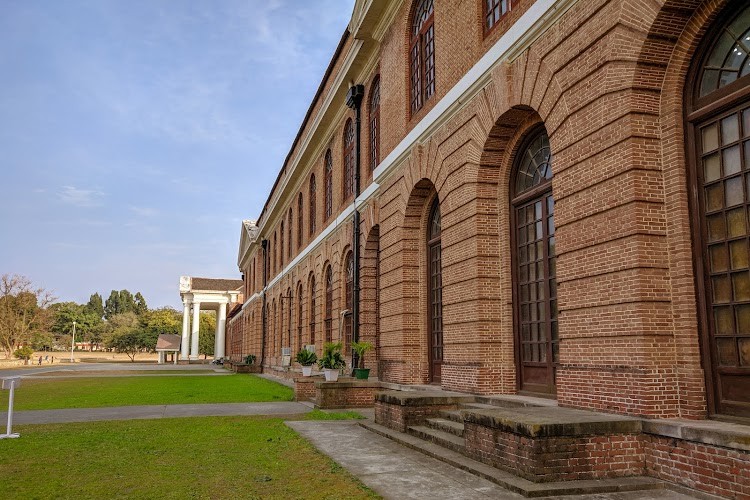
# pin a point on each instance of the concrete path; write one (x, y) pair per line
(82, 368)
(397, 472)
(154, 411)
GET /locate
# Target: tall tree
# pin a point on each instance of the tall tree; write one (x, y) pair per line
(140, 304)
(95, 305)
(65, 313)
(112, 305)
(22, 311)
(164, 320)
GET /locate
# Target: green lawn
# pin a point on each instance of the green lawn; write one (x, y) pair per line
(47, 394)
(202, 457)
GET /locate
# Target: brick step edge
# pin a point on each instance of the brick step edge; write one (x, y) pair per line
(442, 438)
(515, 483)
(445, 425)
(452, 415)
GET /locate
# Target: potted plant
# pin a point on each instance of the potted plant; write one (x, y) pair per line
(307, 359)
(360, 348)
(332, 361)
(250, 359)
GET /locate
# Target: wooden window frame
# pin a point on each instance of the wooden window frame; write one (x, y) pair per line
(421, 75)
(300, 220)
(348, 159)
(328, 168)
(374, 109)
(313, 195)
(486, 12)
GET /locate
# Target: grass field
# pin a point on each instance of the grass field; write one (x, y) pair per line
(45, 394)
(202, 457)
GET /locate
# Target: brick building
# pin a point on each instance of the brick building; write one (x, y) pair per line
(551, 199)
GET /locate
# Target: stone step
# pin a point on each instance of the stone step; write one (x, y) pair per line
(452, 415)
(441, 438)
(515, 483)
(445, 425)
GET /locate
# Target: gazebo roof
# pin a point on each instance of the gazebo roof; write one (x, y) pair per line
(168, 342)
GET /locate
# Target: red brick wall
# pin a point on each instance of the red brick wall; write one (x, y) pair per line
(607, 81)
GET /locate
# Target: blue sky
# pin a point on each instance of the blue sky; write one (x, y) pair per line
(136, 135)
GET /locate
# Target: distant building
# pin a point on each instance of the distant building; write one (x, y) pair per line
(200, 294)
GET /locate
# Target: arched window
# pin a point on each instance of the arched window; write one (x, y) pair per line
(282, 249)
(274, 251)
(272, 328)
(348, 159)
(375, 123)
(329, 185)
(534, 270)
(349, 300)
(300, 221)
(312, 204)
(313, 310)
(329, 305)
(720, 176)
(422, 54)
(299, 316)
(435, 292)
(290, 233)
(290, 306)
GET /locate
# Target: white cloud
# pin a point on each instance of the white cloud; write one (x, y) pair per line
(80, 197)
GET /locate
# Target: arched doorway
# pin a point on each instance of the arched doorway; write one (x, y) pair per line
(434, 293)
(718, 136)
(535, 287)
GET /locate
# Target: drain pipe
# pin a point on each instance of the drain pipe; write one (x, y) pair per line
(264, 312)
(354, 101)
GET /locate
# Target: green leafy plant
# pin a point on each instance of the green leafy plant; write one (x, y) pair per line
(250, 359)
(25, 353)
(306, 358)
(360, 348)
(332, 358)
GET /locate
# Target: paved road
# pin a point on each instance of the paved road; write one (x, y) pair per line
(81, 368)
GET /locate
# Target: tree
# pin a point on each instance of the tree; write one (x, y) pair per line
(22, 311)
(65, 313)
(207, 339)
(158, 321)
(95, 305)
(112, 305)
(131, 343)
(117, 325)
(140, 304)
(24, 353)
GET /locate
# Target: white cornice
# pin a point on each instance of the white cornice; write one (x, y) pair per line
(386, 20)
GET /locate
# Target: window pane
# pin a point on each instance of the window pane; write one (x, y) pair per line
(709, 82)
(726, 351)
(711, 168)
(710, 137)
(731, 160)
(722, 289)
(719, 261)
(738, 251)
(730, 131)
(746, 122)
(734, 191)
(724, 321)
(736, 222)
(714, 198)
(741, 285)
(743, 319)
(716, 227)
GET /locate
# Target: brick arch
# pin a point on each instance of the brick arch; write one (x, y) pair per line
(370, 296)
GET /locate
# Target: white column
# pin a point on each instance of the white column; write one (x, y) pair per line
(161, 358)
(221, 323)
(185, 329)
(194, 354)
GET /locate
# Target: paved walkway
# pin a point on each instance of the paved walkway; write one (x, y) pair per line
(155, 411)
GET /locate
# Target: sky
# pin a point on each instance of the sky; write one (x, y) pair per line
(136, 135)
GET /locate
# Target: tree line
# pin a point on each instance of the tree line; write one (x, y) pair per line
(31, 320)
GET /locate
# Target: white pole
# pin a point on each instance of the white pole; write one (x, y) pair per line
(73, 342)
(9, 430)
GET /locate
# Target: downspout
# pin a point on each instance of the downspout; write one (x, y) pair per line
(264, 325)
(354, 100)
